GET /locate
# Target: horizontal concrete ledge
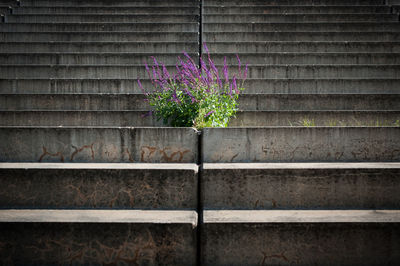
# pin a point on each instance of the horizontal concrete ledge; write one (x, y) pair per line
(245, 166)
(306, 216)
(98, 216)
(111, 166)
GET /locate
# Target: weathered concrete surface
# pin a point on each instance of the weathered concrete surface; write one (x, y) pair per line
(99, 27)
(295, 86)
(120, 3)
(98, 216)
(282, 46)
(304, 118)
(295, 58)
(137, 186)
(182, 10)
(228, 18)
(301, 186)
(300, 144)
(285, 9)
(248, 26)
(137, 18)
(98, 243)
(248, 102)
(100, 47)
(74, 85)
(295, 36)
(301, 243)
(98, 36)
(98, 145)
(290, 2)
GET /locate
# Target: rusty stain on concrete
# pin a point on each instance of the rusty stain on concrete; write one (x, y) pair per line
(45, 152)
(78, 150)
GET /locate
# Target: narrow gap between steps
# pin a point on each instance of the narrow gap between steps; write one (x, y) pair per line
(199, 153)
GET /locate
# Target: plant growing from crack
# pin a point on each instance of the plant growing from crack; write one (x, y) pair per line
(195, 96)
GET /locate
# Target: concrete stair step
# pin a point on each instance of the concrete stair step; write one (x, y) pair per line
(98, 237)
(292, 3)
(32, 18)
(120, 3)
(182, 10)
(292, 9)
(302, 58)
(287, 86)
(75, 71)
(269, 186)
(301, 27)
(99, 36)
(243, 118)
(300, 47)
(331, 118)
(254, 71)
(247, 102)
(117, 186)
(300, 237)
(8, 2)
(90, 27)
(100, 47)
(301, 144)
(172, 58)
(79, 118)
(89, 58)
(323, 85)
(240, 17)
(294, 102)
(98, 144)
(211, 37)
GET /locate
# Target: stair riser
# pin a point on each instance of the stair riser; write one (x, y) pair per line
(83, 243)
(99, 145)
(4, 10)
(303, 118)
(248, 102)
(124, 3)
(334, 188)
(99, 36)
(45, 27)
(81, 71)
(124, 72)
(72, 86)
(332, 58)
(108, 18)
(133, 10)
(323, 86)
(98, 188)
(243, 119)
(89, 59)
(220, 18)
(295, 9)
(300, 27)
(252, 86)
(116, 47)
(294, 3)
(317, 47)
(210, 37)
(306, 244)
(344, 144)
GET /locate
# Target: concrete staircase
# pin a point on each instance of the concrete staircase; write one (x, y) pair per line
(308, 173)
(80, 190)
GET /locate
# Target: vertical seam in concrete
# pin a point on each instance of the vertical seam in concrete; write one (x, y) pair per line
(200, 156)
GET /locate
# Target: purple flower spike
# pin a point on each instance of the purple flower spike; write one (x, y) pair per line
(141, 87)
(165, 72)
(206, 48)
(209, 113)
(226, 71)
(148, 72)
(235, 85)
(240, 66)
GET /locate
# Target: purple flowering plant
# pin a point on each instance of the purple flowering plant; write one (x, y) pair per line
(194, 96)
